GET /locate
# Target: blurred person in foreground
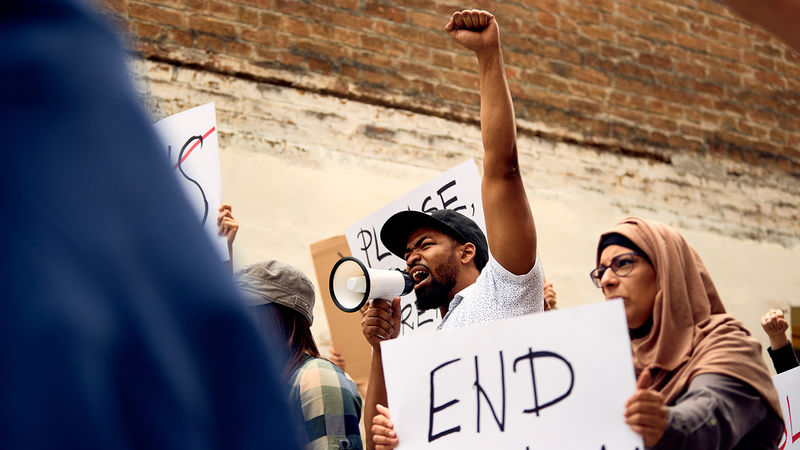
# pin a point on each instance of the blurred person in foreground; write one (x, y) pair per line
(120, 326)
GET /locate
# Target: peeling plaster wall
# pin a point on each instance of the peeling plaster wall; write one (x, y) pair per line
(300, 167)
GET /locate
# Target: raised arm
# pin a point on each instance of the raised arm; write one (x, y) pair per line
(775, 325)
(510, 228)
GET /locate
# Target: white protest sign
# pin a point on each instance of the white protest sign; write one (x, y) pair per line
(542, 381)
(190, 141)
(458, 189)
(788, 386)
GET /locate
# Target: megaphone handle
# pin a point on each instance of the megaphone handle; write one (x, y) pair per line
(390, 311)
(382, 300)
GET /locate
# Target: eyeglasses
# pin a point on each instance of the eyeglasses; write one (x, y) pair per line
(621, 265)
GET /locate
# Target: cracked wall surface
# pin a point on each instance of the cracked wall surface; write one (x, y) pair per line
(302, 166)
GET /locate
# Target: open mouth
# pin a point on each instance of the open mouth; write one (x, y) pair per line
(419, 275)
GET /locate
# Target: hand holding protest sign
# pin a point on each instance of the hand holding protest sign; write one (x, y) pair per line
(190, 142)
(555, 380)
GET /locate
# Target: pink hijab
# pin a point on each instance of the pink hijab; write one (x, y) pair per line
(691, 333)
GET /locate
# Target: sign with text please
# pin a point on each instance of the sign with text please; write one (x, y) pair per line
(459, 189)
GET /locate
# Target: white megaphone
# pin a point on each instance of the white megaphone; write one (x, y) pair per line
(352, 284)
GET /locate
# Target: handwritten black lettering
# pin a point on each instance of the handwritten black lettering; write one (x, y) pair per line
(424, 206)
(530, 356)
(501, 423)
(451, 200)
(190, 179)
(421, 321)
(428, 204)
(366, 242)
(405, 314)
(378, 253)
(435, 409)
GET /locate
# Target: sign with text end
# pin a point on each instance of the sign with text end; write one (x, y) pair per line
(558, 379)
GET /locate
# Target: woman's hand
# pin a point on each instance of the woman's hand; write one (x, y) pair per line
(645, 411)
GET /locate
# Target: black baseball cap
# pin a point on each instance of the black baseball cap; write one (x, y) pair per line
(398, 228)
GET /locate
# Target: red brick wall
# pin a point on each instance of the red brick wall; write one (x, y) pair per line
(645, 77)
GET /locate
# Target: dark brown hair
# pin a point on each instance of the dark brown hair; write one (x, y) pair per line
(291, 330)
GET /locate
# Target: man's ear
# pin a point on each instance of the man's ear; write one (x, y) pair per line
(467, 253)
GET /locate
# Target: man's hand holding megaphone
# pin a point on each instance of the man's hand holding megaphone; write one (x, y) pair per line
(354, 286)
(381, 321)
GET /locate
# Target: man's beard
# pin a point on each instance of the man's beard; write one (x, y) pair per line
(436, 292)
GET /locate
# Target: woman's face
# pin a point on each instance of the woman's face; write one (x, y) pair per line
(637, 289)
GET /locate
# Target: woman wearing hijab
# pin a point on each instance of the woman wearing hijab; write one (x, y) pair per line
(702, 383)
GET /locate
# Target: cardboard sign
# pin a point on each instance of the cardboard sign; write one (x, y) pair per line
(190, 141)
(346, 334)
(788, 386)
(553, 380)
(458, 189)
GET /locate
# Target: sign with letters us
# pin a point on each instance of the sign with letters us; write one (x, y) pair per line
(558, 379)
(788, 386)
(190, 142)
(459, 189)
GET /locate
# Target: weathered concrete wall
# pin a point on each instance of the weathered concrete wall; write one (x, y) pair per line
(300, 167)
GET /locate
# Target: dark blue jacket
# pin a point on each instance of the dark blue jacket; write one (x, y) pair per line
(119, 326)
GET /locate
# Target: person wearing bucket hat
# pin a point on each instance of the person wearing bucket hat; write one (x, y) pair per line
(328, 399)
(469, 277)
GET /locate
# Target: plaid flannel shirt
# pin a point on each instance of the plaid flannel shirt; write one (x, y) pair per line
(330, 403)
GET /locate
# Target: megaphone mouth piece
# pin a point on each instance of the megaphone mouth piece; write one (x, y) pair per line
(346, 269)
(352, 284)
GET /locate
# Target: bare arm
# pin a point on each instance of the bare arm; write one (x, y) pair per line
(376, 395)
(509, 222)
(380, 321)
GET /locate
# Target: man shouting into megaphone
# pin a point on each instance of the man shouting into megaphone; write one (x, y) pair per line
(454, 268)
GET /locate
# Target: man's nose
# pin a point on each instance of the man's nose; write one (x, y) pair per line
(412, 259)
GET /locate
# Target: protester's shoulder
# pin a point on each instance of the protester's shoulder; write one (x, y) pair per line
(320, 371)
(321, 364)
(494, 269)
(725, 331)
